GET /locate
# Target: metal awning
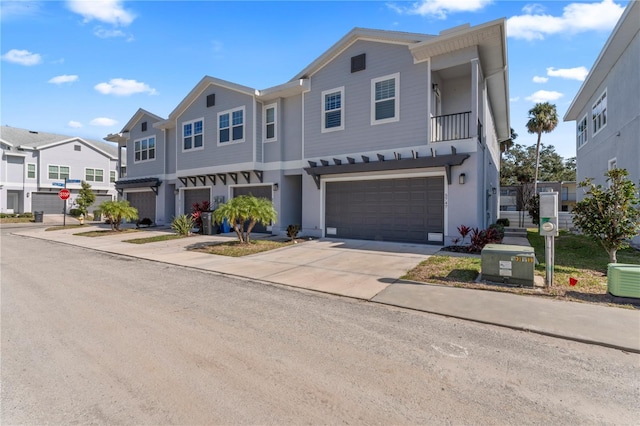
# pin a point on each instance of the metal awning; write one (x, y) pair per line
(152, 183)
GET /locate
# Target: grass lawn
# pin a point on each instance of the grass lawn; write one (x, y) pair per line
(576, 256)
(60, 227)
(16, 220)
(104, 232)
(155, 239)
(237, 249)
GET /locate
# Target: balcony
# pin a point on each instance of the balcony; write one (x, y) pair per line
(451, 127)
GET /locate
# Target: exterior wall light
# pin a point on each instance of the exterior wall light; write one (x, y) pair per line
(275, 186)
(461, 178)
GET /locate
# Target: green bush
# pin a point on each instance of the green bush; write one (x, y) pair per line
(75, 212)
(292, 231)
(504, 222)
(498, 227)
(182, 224)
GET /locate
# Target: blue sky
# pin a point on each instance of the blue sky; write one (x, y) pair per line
(83, 68)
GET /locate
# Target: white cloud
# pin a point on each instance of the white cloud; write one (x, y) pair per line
(104, 33)
(103, 122)
(22, 57)
(544, 96)
(122, 87)
(577, 73)
(531, 9)
(17, 9)
(108, 11)
(60, 79)
(74, 124)
(538, 79)
(516, 99)
(576, 18)
(440, 8)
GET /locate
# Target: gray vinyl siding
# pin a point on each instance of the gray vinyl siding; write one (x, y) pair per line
(623, 115)
(458, 91)
(77, 161)
(16, 169)
(291, 128)
(170, 141)
(212, 154)
(148, 167)
(358, 134)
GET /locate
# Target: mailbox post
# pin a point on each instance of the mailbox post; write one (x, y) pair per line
(549, 229)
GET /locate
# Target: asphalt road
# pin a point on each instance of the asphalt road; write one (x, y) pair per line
(92, 338)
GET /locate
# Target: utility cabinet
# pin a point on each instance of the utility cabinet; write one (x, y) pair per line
(509, 264)
(623, 280)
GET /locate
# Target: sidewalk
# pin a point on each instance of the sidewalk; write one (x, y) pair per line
(370, 270)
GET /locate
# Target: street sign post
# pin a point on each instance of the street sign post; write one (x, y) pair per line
(73, 180)
(57, 184)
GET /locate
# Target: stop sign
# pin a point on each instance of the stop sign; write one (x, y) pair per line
(64, 194)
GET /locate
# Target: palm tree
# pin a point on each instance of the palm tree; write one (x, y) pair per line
(245, 211)
(542, 118)
(115, 211)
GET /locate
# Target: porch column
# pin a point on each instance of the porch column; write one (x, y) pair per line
(475, 107)
(429, 97)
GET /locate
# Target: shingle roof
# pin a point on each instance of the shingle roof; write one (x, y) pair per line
(35, 139)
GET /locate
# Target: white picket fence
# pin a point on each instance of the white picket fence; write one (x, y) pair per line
(565, 219)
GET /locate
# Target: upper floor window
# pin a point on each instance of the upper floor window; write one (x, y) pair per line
(599, 113)
(94, 175)
(31, 171)
(231, 126)
(582, 131)
(192, 134)
(385, 102)
(58, 172)
(269, 130)
(332, 110)
(112, 176)
(144, 149)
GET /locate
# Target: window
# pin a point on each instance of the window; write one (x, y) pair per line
(385, 105)
(231, 126)
(112, 176)
(599, 113)
(77, 148)
(143, 126)
(358, 63)
(31, 171)
(94, 175)
(192, 135)
(58, 172)
(613, 164)
(332, 110)
(269, 123)
(144, 149)
(582, 131)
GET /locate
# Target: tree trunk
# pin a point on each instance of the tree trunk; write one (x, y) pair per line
(535, 179)
(613, 256)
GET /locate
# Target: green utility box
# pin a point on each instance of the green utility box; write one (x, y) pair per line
(623, 280)
(508, 264)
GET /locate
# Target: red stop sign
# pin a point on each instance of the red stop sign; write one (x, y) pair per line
(64, 194)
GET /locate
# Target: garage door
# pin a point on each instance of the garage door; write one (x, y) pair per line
(145, 202)
(192, 196)
(47, 202)
(262, 191)
(402, 210)
(99, 200)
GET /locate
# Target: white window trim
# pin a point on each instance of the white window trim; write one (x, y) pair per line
(94, 175)
(323, 112)
(584, 119)
(155, 149)
(58, 166)
(193, 148)
(599, 98)
(264, 123)
(115, 176)
(244, 126)
(612, 164)
(396, 116)
(35, 171)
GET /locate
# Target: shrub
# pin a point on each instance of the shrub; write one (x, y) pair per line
(503, 221)
(75, 212)
(464, 231)
(182, 224)
(499, 228)
(292, 231)
(479, 239)
(196, 212)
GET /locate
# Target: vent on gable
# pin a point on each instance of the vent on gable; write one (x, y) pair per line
(211, 100)
(77, 148)
(144, 126)
(358, 63)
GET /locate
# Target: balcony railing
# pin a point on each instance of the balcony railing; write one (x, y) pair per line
(451, 127)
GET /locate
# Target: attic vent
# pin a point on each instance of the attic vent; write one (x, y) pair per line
(144, 126)
(211, 100)
(358, 63)
(77, 148)
(33, 131)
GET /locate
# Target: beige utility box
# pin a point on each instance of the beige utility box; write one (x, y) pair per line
(508, 264)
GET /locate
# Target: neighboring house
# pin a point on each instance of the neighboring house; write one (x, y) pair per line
(386, 136)
(607, 106)
(35, 164)
(511, 195)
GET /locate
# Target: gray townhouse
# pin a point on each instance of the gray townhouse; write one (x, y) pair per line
(606, 109)
(387, 136)
(35, 164)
